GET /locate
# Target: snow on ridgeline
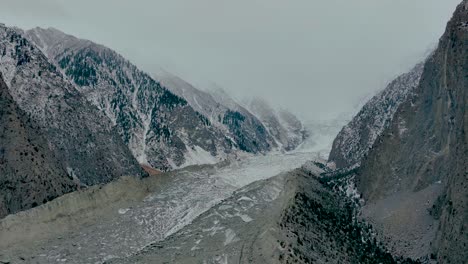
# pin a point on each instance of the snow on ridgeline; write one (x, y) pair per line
(162, 129)
(148, 115)
(53, 103)
(357, 137)
(284, 130)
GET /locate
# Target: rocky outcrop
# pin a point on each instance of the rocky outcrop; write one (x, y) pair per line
(82, 138)
(355, 139)
(426, 144)
(30, 173)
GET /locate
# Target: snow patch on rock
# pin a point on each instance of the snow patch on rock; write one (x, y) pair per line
(230, 237)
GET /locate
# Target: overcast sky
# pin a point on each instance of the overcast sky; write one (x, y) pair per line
(318, 58)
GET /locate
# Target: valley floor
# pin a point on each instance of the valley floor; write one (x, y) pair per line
(119, 219)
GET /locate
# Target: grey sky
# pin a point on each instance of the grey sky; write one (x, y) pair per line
(316, 57)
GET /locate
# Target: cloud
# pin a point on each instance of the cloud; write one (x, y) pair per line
(316, 57)
(32, 8)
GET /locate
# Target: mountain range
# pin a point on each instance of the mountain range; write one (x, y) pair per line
(75, 113)
(104, 118)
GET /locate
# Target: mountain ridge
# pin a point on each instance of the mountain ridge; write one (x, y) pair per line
(412, 174)
(127, 96)
(145, 113)
(433, 147)
(357, 137)
(73, 126)
(220, 108)
(82, 140)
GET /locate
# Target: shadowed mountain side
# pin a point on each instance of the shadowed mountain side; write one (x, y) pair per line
(426, 144)
(30, 173)
(84, 140)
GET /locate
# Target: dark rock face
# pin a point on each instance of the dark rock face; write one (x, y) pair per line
(160, 128)
(427, 141)
(82, 138)
(30, 173)
(357, 138)
(237, 123)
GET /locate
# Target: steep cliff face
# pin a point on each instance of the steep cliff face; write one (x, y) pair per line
(357, 137)
(80, 136)
(426, 144)
(160, 128)
(30, 173)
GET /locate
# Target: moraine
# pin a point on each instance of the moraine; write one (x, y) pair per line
(121, 228)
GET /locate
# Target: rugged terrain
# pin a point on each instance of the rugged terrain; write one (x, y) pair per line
(103, 118)
(165, 126)
(413, 155)
(290, 218)
(398, 195)
(120, 218)
(30, 172)
(159, 127)
(83, 141)
(426, 145)
(356, 138)
(224, 113)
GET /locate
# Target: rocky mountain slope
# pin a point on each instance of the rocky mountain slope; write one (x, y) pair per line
(412, 150)
(101, 116)
(227, 115)
(399, 195)
(286, 128)
(356, 138)
(30, 173)
(82, 138)
(427, 144)
(161, 128)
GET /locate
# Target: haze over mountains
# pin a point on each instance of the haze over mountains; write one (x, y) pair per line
(402, 164)
(101, 162)
(276, 58)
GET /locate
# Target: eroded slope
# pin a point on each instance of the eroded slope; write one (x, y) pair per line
(30, 173)
(426, 145)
